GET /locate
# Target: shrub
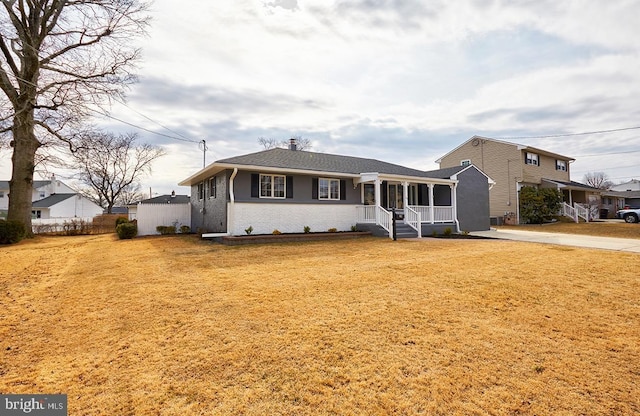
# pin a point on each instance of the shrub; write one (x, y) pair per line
(354, 228)
(447, 231)
(185, 229)
(11, 231)
(121, 220)
(248, 230)
(276, 232)
(127, 230)
(307, 229)
(76, 227)
(538, 205)
(333, 230)
(166, 229)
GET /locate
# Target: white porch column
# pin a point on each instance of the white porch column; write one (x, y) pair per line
(454, 204)
(431, 208)
(405, 198)
(377, 196)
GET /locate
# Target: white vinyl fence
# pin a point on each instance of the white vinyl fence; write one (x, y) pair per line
(149, 216)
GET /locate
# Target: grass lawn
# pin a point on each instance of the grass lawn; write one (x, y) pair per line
(178, 326)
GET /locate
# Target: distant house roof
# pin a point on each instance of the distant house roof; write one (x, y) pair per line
(119, 210)
(299, 160)
(573, 184)
(36, 184)
(519, 146)
(167, 199)
(623, 194)
(51, 200)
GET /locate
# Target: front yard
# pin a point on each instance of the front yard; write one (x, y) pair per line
(610, 228)
(178, 326)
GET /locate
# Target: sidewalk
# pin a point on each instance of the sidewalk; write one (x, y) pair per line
(605, 243)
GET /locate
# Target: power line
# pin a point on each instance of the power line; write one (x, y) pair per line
(548, 136)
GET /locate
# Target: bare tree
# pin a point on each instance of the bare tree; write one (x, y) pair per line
(270, 143)
(598, 180)
(58, 60)
(112, 166)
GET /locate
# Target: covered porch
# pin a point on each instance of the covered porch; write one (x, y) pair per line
(418, 203)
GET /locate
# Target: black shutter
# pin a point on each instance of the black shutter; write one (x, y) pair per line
(314, 188)
(255, 185)
(343, 190)
(289, 186)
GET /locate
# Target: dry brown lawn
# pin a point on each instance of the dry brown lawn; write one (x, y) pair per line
(177, 326)
(618, 229)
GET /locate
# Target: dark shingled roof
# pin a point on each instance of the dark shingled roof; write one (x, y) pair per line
(323, 162)
(51, 200)
(573, 184)
(167, 199)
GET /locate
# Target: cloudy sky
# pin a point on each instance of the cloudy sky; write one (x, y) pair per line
(397, 80)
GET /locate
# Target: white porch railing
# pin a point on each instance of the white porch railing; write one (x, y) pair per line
(366, 214)
(443, 214)
(384, 220)
(578, 211)
(440, 213)
(424, 211)
(412, 218)
(569, 211)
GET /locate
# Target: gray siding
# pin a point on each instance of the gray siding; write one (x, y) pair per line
(210, 214)
(302, 190)
(473, 201)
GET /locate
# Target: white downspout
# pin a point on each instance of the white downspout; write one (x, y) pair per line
(232, 200)
(454, 200)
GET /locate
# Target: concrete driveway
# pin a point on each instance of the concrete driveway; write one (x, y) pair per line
(605, 243)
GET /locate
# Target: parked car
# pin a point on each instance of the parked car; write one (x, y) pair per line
(630, 215)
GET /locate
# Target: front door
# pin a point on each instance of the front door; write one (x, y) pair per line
(394, 196)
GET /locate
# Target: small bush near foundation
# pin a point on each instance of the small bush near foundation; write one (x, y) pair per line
(11, 231)
(307, 229)
(354, 228)
(166, 229)
(127, 230)
(276, 232)
(185, 229)
(248, 230)
(333, 230)
(447, 231)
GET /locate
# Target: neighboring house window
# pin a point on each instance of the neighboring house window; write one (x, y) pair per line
(465, 162)
(561, 165)
(42, 194)
(201, 190)
(1, 194)
(272, 186)
(213, 188)
(328, 189)
(532, 159)
(36, 214)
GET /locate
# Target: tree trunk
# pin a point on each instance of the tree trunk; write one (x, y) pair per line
(24, 145)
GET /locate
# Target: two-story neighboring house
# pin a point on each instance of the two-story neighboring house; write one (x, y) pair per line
(513, 166)
(52, 199)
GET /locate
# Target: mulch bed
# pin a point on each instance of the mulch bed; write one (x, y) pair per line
(287, 238)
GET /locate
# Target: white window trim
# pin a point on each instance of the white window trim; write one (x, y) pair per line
(561, 165)
(531, 160)
(467, 161)
(273, 184)
(328, 197)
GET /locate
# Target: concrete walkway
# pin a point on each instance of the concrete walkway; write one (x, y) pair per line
(605, 243)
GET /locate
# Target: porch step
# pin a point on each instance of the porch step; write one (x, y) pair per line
(405, 231)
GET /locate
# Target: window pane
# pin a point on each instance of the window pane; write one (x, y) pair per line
(335, 189)
(278, 186)
(323, 188)
(265, 186)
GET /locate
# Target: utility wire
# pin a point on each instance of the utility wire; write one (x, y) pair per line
(548, 136)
